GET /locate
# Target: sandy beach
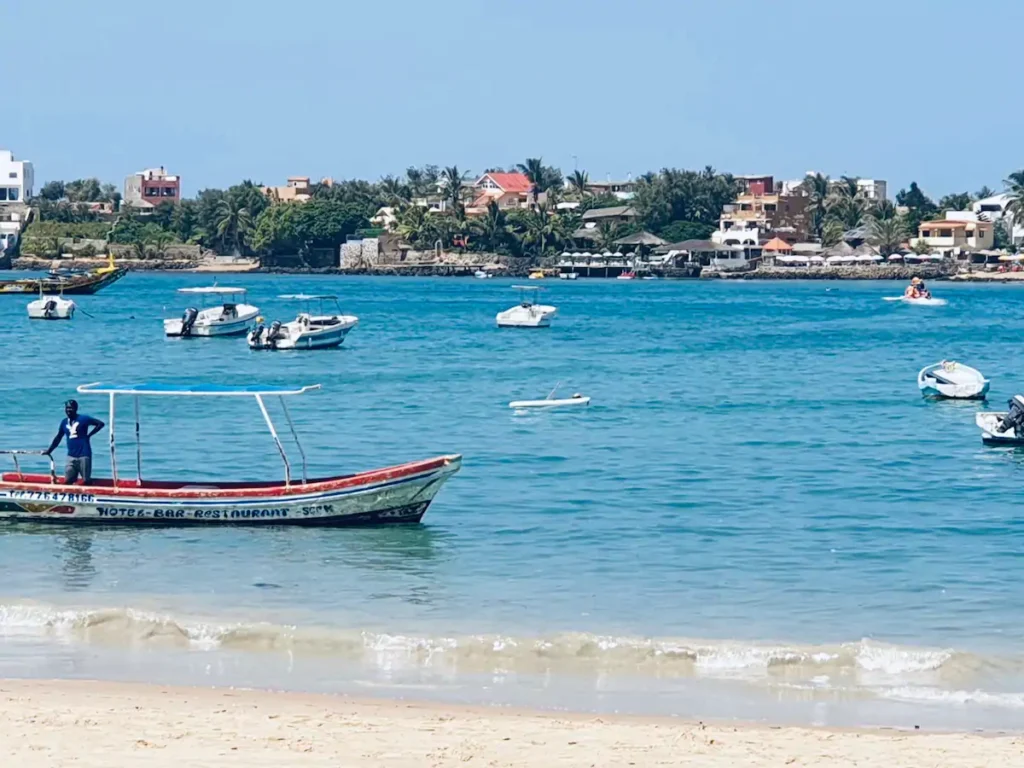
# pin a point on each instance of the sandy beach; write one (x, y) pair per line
(64, 723)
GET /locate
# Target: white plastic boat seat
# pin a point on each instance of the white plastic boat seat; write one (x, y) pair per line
(941, 379)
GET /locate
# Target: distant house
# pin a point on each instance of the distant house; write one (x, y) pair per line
(297, 189)
(994, 209)
(623, 190)
(592, 220)
(385, 218)
(149, 188)
(953, 236)
(508, 190)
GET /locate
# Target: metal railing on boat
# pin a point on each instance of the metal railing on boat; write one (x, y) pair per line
(17, 466)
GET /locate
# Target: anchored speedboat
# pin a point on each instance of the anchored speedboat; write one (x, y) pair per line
(49, 307)
(228, 317)
(309, 330)
(527, 313)
(1003, 428)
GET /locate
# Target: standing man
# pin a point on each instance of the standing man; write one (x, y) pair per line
(78, 428)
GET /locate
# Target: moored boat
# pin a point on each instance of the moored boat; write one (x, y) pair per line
(309, 330)
(49, 307)
(397, 494)
(1003, 428)
(527, 313)
(232, 317)
(952, 380)
(76, 284)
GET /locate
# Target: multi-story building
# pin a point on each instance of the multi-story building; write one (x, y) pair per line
(960, 231)
(872, 189)
(994, 209)
(151, 187)
(756, 185)
(16, 179)
(623, 190)
(755, 217)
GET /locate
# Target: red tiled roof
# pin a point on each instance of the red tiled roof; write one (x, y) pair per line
(511, 182)
(777, 244)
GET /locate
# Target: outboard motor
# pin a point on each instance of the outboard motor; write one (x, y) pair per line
(1014, 419)
(49, 308)
(255, 334)
(274, 333)
(188, 320)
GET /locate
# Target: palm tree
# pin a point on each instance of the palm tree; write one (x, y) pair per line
(452, 181)
(958, 201)
(607, 234)
(984, 192)
(492, 228)
(1015, 188)
(393, 191)
(140, 248)
(160, 242)
(887, 234)
(831, 233)
(533, 169)
(578, 182)
(817, 187)
(542, 230)
(233, 223)
(412, 223)
(883, 210)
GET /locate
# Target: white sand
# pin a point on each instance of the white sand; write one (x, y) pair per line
(45, 723)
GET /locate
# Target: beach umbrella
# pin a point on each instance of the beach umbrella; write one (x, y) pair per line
(896, 257)
(608, 254)
(566, 255)
(817, 260)
(575, 254)
(1008, 257)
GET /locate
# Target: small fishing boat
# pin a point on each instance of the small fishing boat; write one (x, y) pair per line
(74, 284)
(49, 307)
(568, 275)
(537, 274)
(1003, 428)
(397, 494)
(952, 380)
(309, 330)
(481, 275)
(227, 317)
(527, 313)
(651, 277)
(921, 302)
(627, 275)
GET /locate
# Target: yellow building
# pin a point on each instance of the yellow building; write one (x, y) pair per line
(949, 235)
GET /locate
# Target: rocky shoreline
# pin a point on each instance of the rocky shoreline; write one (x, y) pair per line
(899, 273)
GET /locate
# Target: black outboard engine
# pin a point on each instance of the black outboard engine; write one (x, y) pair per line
(274, 333)
(1014, 419)
(49, 308)
(188, 320)
(255, 334)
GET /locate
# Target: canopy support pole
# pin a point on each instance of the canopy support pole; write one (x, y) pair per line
(113, 457)
(277, 440)
(138, 445)
(298, 443)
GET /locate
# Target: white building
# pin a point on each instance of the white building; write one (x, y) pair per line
(994, 209)
(872, 189)
(17, 179)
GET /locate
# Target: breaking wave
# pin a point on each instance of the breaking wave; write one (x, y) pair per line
(905, 673)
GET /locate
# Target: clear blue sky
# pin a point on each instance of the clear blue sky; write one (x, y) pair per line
(222, 90)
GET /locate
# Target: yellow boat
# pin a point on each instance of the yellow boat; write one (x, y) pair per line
(537, 274)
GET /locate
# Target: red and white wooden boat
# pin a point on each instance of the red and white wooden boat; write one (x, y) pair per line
(399, 494)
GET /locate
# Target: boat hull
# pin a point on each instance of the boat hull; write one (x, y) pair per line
(209, 323)
(296, 336)
(61, 310)
(952, 381)
(80, 286)
(533, 316)
(393, 495)
(988, 423)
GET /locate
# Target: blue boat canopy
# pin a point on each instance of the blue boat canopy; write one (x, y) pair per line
(189, 390)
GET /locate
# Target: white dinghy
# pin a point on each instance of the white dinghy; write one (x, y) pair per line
(952, 380)
(551, 401)
(51, 307)
(309, 330)
(229, 317)
(1003, 428)
(527, 313)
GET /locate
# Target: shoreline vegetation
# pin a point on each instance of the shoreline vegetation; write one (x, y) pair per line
(441, 215)
(94, 724)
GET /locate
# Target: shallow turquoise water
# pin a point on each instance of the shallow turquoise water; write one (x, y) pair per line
(758, 496)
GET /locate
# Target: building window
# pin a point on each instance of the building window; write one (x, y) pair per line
(945, 233)
(12, 194)
(770, 207)
(12, 175)
(3, 193)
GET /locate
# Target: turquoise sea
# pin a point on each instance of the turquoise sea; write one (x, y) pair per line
(758, 517)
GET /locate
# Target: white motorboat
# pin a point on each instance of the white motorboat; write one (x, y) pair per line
(1005, 428)
(527, 313)
(568, 275)
(309, 330)
(922, 302)
(481, 275)
(551, 401)
(953, 380)
(49, 307)
(230, 317)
